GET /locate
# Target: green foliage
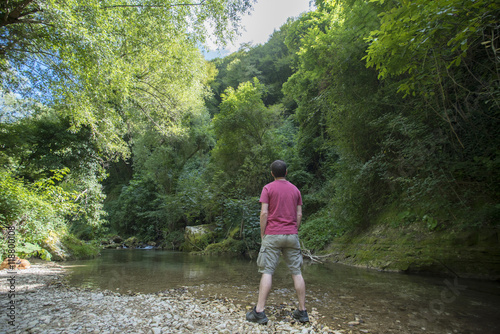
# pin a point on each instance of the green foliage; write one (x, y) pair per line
(33, 210)
(228, 245)
(234, 213)
(27, 250)
(418, 35)
(237, 219)
(446, 62)
(243, 130)
(168, 190)
(39, 144)
(384, 111)
(107, 64)
(319, 230)
(173, 240)
(79, 249)
(270, 63)
(138, 210)
(440, 58)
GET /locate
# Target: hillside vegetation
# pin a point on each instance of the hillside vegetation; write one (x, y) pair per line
(387, 113)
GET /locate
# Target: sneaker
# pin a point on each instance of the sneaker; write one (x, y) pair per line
(258, 317)
(301, 315)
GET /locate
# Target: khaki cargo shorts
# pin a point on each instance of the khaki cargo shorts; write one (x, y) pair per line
(275, 244)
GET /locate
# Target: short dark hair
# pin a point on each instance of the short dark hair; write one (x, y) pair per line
(278, 168)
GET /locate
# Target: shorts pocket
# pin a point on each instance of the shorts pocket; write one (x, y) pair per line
(261, 257)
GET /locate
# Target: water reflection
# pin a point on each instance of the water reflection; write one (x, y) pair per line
(398, 303)
(152, 271)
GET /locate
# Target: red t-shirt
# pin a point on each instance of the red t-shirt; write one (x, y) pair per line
(283, 198)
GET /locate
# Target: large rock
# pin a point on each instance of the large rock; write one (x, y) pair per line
(196, 238)
(54, 245)
(198, 230)
(116, 239)
(131, 242)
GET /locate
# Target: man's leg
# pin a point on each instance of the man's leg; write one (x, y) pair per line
(300, 288)
(266, 282)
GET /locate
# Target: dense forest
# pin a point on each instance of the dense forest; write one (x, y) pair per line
(113, 125)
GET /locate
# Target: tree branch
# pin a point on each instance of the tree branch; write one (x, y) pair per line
(159, 92)
(12, 17)
(17, 11)
(201, 3)
(16, 21)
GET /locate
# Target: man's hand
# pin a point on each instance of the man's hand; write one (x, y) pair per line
(263, 218)
(299, 216)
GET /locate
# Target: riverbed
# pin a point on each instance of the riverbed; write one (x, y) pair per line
(346, 299)
(38, 300)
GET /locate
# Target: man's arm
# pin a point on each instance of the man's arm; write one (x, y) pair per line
(299, 215)
(263, 218)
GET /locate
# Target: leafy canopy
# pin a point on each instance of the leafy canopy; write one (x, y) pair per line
(106, 62)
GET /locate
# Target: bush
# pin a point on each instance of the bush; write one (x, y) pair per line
(318, 231)
(33, 211)
(78, 249)
(172, 240)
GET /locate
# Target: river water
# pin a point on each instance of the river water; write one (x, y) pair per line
(382, 302)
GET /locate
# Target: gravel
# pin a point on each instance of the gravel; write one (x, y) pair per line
(37, 300)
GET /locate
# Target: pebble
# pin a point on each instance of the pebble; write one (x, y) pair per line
(45, 304)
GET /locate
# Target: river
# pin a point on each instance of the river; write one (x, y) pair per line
(382, 302)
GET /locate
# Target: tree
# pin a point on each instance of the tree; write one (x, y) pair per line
(37, 145)
(270, 63)
(31, 212)
(416, 130)
(102, 63)
(243, 124)
(161, 196)
(115, 71)
(443, 55)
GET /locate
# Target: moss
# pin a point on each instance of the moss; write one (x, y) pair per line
(234, 233)
(228, 245)
(78, 249)
(197, 238)
(131, 242)
(414, 248)
(196, 242)
(63, 246)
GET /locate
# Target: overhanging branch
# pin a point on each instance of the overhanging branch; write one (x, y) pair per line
(13, 15)
(201, 3)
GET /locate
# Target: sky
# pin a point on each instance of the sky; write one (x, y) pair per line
(266, 16)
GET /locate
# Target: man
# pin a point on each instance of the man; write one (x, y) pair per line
(280, 217)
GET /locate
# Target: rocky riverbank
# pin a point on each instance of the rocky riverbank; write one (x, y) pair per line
(40, 300)
(37, 300)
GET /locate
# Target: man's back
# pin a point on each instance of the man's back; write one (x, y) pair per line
(283, 198)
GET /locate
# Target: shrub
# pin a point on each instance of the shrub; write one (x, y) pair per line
(318, 231)
(32, 211)
(78, 249)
